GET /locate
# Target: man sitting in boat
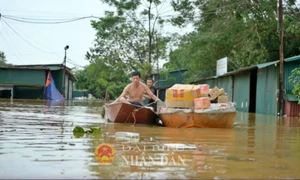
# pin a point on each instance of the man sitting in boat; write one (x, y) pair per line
(135, 91)
(150, 101)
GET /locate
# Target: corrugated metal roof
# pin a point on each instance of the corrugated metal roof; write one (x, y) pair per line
(178, 70)
(38, 65)
(155, 73)
(23, 67)
(294, 58)
(291, 98)
(239, 71)
(42, 66)
(51, 67)
(259, 66)
(263, 65)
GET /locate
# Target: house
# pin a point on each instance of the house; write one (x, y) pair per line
(256, 88)
(28, 81)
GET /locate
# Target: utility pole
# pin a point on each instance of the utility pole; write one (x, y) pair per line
(64, 64)
(157, 64)
(281, 64)
(150, 36)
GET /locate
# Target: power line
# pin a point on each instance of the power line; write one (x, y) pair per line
(50, 52)
(70, 61)
(44, 12)
(11, 40)
(22, 37)
(33, 21)
(42, 19)
(9, 46)
(54, 54)
(74, 63)
(12, 24)
(60, 21)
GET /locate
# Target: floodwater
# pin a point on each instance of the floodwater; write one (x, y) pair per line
(37, 141)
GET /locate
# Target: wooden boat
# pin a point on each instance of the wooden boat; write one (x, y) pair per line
(128, 113)
(220, 116)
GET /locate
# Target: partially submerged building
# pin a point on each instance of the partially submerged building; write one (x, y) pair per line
(256, 88)
(28, 81)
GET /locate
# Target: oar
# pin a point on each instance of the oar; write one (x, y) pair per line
(158, 104)
(106, 96)
(106, 102)
(161, 104)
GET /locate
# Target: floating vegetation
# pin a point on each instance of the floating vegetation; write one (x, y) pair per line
(78, 131)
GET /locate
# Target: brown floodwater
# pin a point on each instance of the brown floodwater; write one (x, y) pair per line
(37, 141)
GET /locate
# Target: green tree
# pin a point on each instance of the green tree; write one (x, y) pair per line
(244, 31)
(127, 40)
(129, 36)
(96, 78)
(292, 29)
(2, 59)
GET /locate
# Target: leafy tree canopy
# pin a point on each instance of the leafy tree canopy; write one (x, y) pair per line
(128, 39)
(244, 31)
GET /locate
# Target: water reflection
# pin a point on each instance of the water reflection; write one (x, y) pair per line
(36, 140)
(292, 121)
(175, 154)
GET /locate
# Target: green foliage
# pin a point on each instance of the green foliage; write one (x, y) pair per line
(126, 40)
(295, 79)
(130, 39)
(244, 31)
(79, 131)
(124, 37)
(2, 59)
(99, 77)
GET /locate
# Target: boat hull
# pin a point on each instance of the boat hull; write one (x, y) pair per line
(128, 113)
(184, 118)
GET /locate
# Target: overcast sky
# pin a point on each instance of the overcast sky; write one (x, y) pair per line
(28, 43)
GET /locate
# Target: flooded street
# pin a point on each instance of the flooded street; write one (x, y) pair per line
(37, 141)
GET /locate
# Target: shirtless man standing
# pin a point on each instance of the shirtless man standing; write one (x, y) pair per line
(135, 91)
